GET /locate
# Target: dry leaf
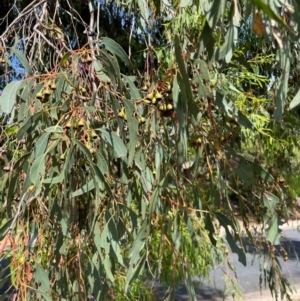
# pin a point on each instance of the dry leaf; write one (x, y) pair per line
(258, 25)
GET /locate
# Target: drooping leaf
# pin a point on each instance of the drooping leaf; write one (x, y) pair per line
(64, 59)
(134, 92)
(225, 222)
(29, 124)
(116, 49)
(282, 91)
(37, 170)
(232, 111)
(213, 10)
(115, 141)
(54, 129)
(108, 268)
(41, 277)
(271, 220)
(54, 180)
(185, 79)
(41, 145)
(133, 130)
(8, 99)
(84, 189)
(21, 57)
(4, 229)
(296, 100)
(110, 66)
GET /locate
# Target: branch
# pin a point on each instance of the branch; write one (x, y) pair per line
(34, 4)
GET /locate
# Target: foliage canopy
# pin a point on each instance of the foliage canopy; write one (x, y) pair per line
(132, 131)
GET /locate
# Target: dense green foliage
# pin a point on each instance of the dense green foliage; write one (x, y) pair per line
(132, 131)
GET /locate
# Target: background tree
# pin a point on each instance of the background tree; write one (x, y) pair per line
(132, 131)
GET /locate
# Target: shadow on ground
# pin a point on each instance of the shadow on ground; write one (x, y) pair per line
(202, 293)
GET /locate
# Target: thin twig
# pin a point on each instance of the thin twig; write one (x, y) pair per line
(32, 5)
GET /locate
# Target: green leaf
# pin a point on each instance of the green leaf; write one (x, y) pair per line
(135, 269)
(116, 49)
(207, 41)
(64, 59)
(115, 141)
(133, 90)
(41, 145)
(213, 10)
(4, 229)
(270, 202)
(29, 125)
(144, 10)
(8, 99)
(54, 129)
(273, 231)
(232, 111)
(296, 100)
(21, 57)
(226, 50)
(54, 180)
(108, 266)
(37, 170)
(185, 3)
(98, 175)
(110, 66)
(190, 286)
(44, 295)
(225, 222)
(185, 86)
(84, 189)
(133, 125)
(265, 175)
(281, 94)
(99, 71)
(137, 259)
(41, 277)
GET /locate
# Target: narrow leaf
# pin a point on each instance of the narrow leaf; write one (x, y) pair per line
(296, 100)
(21, 57)
(4, 229)
(37, 170)
(115, 142)
(40, 276)
(41, 145)
(29, 124)
(116, 49)
(8, 99)
(84, 189)
(54, 129)
(185, 79)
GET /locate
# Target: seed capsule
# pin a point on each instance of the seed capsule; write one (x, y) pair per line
(47, 92)
(81, 122)
(144, 88)
(142, 120)
(150, 96)
(161, 107)
(68, 125)
(169, 107)
(82, 89)
(39, 95)
(146, 101)
(93, 135)
(158, 96)
(53, 86)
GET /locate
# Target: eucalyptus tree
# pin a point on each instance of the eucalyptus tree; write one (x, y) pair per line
(120, 156)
